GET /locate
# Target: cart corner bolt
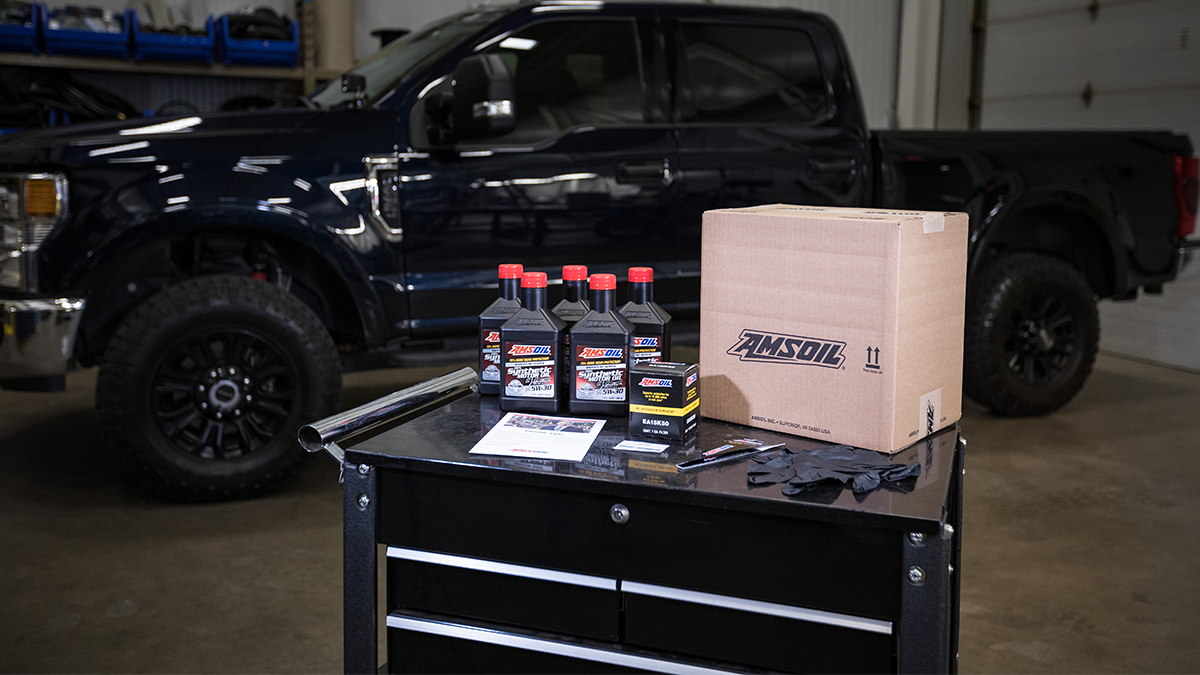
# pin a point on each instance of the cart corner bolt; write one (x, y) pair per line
(916, 575)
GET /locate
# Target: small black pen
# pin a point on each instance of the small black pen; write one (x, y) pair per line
(725, 453)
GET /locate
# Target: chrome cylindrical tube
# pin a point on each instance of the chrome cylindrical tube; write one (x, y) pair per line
(369, 416)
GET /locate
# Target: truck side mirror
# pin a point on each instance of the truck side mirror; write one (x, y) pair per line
(484, 101)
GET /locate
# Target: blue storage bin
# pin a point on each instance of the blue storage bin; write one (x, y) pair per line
(171, 47)
(89, 43)
(24, 38)
(257, 52)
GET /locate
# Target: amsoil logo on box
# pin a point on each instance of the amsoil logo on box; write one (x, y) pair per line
(492, 336)
(598, 353)
(645, 342)
(652, 382)
(528, 350)
(690, 379)
(765, 347)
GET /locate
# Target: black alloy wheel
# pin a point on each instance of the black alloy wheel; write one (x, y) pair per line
(1031, 336)
(1042, 342)
(205, 384)
(223, 393)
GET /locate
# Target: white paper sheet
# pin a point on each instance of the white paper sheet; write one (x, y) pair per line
(640, 446)
(540, 436)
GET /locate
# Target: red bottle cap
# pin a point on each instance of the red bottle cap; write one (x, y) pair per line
(511, 271)
(641, 275)
(574, 273)
(533, 280)
(603, 282)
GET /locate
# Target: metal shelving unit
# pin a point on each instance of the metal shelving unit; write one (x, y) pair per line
(164, 67)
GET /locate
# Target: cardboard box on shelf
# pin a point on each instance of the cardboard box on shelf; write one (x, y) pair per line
(844, 325)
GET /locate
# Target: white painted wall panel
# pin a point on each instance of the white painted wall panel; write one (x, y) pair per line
(1143, 60)
(1134, 47)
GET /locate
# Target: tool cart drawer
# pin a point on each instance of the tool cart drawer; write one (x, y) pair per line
(517, 595)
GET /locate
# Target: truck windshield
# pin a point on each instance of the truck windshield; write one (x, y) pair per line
(389, 66)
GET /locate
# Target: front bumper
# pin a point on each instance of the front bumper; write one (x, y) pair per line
(38, 338)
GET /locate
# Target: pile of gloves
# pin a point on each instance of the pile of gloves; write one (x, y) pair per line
(802, 470)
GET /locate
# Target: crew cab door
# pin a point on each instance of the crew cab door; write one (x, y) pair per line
(586, 177)
(760, 121)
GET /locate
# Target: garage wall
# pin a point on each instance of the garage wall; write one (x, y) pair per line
(1139, 64)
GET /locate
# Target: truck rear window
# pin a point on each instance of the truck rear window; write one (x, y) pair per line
(753, 74)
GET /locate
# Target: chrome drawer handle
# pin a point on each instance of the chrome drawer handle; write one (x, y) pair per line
(619, 514)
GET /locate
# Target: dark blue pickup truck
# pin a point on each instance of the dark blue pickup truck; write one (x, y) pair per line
(224, 269)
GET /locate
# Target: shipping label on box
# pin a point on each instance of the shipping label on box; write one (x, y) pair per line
(844, 325)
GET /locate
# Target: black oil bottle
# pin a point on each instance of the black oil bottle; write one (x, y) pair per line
(574, 302)
(600, 355)
(530, 343)
(490, 320)
(571, 308)
(651, 323)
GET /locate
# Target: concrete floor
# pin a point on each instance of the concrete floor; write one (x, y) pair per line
(1080, 544)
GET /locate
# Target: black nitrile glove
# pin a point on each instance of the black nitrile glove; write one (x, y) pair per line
(864, 470)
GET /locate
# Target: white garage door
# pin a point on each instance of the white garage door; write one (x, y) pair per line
(1142, 62)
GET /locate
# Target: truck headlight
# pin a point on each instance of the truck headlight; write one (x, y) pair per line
(31, 205)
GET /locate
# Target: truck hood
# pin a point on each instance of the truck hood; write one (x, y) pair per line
(38, 146)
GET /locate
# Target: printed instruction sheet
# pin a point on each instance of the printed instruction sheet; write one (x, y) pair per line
(540, 436)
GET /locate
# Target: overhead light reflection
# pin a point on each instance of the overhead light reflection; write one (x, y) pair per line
(174, 126)
(148, 159)
(264, 159)
(541, 181)
(487, 43)
(520, 44)
(559, 8)
(249, 168)
(178, 200)
(113, 149)
(431, 85)
(341, 187)
(362, 227)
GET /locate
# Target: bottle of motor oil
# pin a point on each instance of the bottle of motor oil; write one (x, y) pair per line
(600, 355)
(490, 320)
(530, 343)
(574, 302)
(571, 308)
(651, 323)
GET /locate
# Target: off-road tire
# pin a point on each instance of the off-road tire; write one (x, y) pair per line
(1031, 336)
(204, 385)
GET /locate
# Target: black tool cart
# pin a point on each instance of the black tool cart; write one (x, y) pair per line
(620, 562)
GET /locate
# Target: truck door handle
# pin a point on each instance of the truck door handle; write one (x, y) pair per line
(836, 165)
(644, 172)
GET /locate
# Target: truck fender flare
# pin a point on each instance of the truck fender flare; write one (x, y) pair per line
(247, 222)
(1007, 210)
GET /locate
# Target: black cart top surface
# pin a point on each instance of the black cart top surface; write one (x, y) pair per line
(440, 441)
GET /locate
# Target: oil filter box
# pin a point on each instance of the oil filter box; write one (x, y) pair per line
(664, 400)
(844, 325)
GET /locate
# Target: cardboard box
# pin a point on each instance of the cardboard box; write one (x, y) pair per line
(843, 325)
(663, 400)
